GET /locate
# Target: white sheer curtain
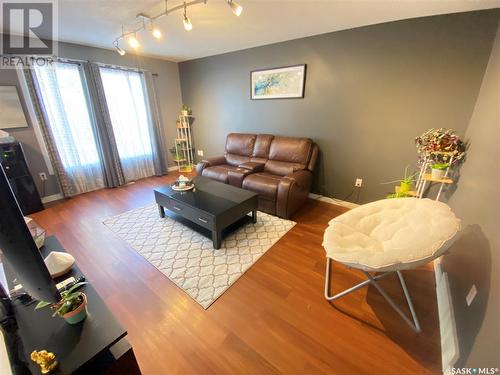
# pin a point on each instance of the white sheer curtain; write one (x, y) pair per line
(67, 110)
(127, 105)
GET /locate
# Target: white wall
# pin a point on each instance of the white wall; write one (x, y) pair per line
(475, 258)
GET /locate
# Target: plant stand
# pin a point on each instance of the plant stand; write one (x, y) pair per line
(184, 144)
(425, 178)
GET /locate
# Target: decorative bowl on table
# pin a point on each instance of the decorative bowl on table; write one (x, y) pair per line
(182, 184)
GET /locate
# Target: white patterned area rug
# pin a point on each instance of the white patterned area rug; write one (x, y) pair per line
(188, 258)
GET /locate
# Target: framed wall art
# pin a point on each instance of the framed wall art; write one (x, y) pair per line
(278, 83)
(11, 110)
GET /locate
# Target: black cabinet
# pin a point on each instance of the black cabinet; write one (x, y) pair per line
(20, 179)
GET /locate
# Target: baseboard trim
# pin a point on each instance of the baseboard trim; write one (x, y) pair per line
(52, 198)
(450, 351)
(335, 201)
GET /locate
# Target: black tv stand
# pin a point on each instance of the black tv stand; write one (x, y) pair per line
(95, 345)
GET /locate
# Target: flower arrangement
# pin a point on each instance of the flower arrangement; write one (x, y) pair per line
(440, 145)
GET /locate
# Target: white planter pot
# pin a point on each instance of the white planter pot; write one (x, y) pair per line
(438, 173)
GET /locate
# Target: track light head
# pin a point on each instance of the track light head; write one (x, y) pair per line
(133, 42)
(235, 7)
(120, 51)
(156, 33)
(187, 24)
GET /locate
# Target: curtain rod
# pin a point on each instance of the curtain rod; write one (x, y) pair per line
(140, 70)
(106, 65)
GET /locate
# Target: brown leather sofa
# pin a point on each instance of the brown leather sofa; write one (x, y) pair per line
(279, 169)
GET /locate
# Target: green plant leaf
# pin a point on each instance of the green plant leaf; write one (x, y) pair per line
(42, 304)
(440, 166)
(61, 308)
(77, 285)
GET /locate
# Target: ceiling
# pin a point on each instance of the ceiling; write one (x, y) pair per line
(216, 30)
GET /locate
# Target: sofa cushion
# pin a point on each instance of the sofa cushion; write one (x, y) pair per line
(240, 144)
(239, 148)
(288, 155)
(264, 184)
(219, 172)
(235, 160)
(292, 150)
(262, 146)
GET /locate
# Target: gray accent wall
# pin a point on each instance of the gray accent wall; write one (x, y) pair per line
(168, 91)
(369, 92)
(475, 257)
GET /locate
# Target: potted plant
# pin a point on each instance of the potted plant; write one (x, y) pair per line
(405, 185)
(186, 111)
(72, 306)
(440, 146)
(175, 154)
(438, 170)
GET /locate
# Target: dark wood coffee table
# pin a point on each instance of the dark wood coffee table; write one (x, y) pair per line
(212, 205)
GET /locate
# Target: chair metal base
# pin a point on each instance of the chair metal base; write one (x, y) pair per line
(373, 280)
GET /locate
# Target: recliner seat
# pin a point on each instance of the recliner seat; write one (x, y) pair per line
(279, 169)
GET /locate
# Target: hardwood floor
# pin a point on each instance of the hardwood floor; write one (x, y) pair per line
(274, 319)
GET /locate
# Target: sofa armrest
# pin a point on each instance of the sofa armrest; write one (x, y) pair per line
(293, 191)
(252, 166)
(236, 177)
(302, 179)
(209, 162)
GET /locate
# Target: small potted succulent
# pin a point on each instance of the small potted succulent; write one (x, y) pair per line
(72, 306)
(186, 111)
(438, 170)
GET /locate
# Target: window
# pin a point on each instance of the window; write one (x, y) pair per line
(65, 103)
(127, 103)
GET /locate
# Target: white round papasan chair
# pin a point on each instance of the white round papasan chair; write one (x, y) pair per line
(388, 236)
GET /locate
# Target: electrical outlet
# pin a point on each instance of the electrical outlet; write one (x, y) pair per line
(200, 152)
(359, 182)
(471, 295)
(43, 176)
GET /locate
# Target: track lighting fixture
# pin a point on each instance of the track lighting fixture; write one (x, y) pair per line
(235, 7)
(148, 22)
(187, 22)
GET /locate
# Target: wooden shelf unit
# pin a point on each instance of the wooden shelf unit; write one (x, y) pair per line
(428, 177)
(184, 144)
